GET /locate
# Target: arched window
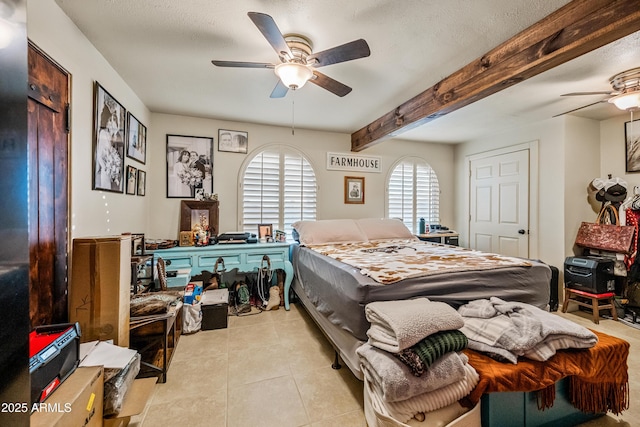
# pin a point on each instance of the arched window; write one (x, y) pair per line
(413, 193)
(278, 187)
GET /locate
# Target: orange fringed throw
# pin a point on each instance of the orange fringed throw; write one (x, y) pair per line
(599, 379)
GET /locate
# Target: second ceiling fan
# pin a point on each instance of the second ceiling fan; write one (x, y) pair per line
(625, 94)
(298, 63)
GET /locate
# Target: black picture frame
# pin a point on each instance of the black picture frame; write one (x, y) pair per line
(132, 180)
(632, 145)
(142, 183)
(193, 177)
(136, 139)
(233, 141)
(109, 134)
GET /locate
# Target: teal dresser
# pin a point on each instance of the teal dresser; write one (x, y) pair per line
(188, 261)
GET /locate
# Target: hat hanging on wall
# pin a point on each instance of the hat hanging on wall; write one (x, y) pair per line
(611, 190)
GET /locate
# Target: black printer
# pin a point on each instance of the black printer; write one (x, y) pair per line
(592, 274)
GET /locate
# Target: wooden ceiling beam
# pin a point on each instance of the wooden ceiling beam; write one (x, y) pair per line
(573, 30)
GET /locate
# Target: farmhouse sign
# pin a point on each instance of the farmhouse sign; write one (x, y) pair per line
(353, 162)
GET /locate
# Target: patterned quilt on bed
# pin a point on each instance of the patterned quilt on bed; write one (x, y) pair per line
(389, 261)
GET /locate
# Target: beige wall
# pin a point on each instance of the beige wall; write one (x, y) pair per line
(612, 149)
(315, 145)
(92, 212)
(571, 152)
(582, 165)
(102, 213)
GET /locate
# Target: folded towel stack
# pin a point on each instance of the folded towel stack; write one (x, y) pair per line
(397, 325)
(412, 361)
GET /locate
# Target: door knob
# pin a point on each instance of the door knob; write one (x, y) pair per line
(521, 231)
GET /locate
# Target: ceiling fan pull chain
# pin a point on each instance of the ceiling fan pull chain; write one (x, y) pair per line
(293, 112)
(631, 129)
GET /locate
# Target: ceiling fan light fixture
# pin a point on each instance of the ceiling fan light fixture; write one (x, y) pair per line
(627, 101)
(293, 75)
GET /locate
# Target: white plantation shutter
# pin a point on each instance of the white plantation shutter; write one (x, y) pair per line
(279, 188)
(413, 193)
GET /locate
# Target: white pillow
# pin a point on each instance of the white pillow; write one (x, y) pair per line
(329, 231)
(384, 228)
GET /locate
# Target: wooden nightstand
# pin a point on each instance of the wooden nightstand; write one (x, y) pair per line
(449, 237)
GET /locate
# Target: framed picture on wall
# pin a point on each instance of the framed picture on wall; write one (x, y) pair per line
(353, 190)
(132, 179)
(136, 139)
(142, 182)
(108, 141)
(632, 145)
(189, 166)
(233, 141)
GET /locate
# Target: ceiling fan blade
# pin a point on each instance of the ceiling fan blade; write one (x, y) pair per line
(279, 91)
(239, 64)
(346, 52)
(589, 93)
(330, 84)
(580, 108)
(270, 31)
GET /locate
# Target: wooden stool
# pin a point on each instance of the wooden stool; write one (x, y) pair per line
(595, 302)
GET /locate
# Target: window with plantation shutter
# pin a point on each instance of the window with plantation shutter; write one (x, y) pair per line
(413, 193)
(278, 187)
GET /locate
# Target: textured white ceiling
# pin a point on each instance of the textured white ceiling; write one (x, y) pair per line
(163, 49)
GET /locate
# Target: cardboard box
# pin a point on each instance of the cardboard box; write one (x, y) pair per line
(100, 286)
(134, 402)
(76, 403)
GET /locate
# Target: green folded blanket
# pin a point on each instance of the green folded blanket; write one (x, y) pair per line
(422, 355)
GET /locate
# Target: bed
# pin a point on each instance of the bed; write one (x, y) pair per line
(335, 293)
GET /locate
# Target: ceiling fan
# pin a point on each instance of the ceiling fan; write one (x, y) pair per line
(625, 94)
(298, 62)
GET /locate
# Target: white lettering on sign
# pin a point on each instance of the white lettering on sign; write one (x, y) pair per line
(353, 162)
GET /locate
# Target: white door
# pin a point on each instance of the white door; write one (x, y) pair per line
(499, 205)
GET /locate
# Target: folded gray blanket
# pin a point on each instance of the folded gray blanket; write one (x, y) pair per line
(521, 329)
(397, 325)
(396, 383)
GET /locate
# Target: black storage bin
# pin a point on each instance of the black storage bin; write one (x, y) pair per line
(214, 316)
(590, 274)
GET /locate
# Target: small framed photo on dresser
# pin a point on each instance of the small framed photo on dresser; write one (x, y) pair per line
(265, 231)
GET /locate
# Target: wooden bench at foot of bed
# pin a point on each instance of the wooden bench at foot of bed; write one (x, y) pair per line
(588, 382)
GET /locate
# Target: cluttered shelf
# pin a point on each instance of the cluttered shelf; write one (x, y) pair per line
(156, 337)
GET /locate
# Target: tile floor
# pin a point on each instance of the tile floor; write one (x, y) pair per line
(274, 369)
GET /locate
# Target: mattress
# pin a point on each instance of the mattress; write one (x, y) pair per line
(340, 292)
